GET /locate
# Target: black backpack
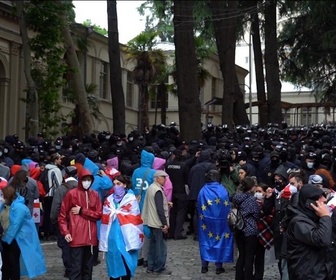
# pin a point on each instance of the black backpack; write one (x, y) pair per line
(44, 180)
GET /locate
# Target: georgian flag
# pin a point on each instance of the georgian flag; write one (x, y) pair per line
(128, 215)
(36, 211)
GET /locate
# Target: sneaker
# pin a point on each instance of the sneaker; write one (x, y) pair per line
(204, 269)
(165, 272)
(220, 270)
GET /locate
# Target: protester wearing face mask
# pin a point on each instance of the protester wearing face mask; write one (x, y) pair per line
(308, 164)
(290, 193)
(121, 231)
(273, 200)
(265, 236)
(80, 210)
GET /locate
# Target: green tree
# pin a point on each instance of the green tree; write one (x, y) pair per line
(42, 56)
(149, 61)
(32, 121)
(308, 46)
(96, 28)
(86, 122)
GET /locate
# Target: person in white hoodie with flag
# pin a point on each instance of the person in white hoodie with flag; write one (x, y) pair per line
(121, 231)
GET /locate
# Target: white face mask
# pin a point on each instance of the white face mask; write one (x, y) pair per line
(86, 184)
(310, 165)
(258, 195)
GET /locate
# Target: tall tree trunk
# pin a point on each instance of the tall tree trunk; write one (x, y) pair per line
(259, 69)
(239, 109)
(117, 92)
(224, 23)
(143, 110)
(186, 71)
(32, 121)
(272, 64)
(162, 92)
(86, 122)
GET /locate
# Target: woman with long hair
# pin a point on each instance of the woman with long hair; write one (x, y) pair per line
(246, 238)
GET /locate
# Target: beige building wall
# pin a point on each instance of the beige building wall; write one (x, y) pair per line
(12, 82)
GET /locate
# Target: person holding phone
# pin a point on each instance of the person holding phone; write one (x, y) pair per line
(309, 236)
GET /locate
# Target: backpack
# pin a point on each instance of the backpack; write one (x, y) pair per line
(235, 220)
(44, 180)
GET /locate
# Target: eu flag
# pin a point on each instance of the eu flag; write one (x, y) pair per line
(215, 237)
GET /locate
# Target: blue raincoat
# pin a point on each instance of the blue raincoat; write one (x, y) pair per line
(143, 176)
(22, 228)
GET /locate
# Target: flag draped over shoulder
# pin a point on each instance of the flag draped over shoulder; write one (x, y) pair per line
(129, 218)
(215, 237)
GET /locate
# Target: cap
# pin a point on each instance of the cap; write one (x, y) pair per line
(160, 173)
(315, 179)
(241, 155)
(80, 158)
(274, 154)
(71, 171)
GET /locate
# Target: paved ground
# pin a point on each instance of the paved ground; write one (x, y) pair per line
(183, 260)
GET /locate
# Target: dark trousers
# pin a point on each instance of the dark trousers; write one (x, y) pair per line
(247, 248)
(81, 263)
(177, 217)
(259, 262)
(47, 226)
(157, 254)
(64, 246)
(191, 212)
(195, 221)
(10, 261)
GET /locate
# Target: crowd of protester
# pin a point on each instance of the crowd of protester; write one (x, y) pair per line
(280, 179)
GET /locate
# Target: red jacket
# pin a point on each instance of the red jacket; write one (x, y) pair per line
(82, 227)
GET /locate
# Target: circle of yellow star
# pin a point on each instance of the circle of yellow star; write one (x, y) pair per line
(209, 202)
(217, 200)
(210, 234)
(204, 227)
(204, 207)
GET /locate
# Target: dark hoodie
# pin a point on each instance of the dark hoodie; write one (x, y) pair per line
(309, 238)
(197, 173)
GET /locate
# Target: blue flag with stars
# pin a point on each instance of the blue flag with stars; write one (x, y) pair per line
(215, 237)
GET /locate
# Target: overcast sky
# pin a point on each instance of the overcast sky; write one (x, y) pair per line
(130, 23)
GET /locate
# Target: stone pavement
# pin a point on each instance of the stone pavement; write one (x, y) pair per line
(183, 260)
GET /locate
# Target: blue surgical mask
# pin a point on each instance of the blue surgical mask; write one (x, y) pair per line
(310, 165)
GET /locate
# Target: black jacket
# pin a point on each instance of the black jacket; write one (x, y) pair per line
(197, 173)
(308, 243)
(178, 172)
